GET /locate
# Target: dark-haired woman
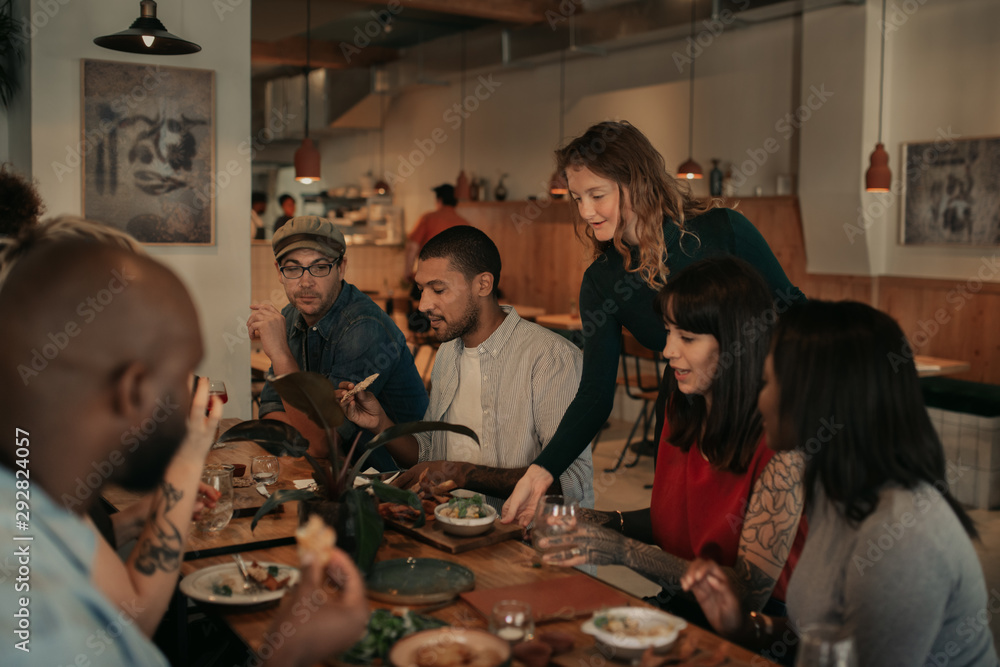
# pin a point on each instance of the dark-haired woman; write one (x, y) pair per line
(643, 226)
(719, 491)
(889, 558)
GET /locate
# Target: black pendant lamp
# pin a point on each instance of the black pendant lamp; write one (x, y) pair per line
(689, 168)
(147, 35)
(307, 157)
(878, 178)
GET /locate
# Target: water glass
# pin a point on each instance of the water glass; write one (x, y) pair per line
(264, 469)
(556, 515)
(825, 645)
(511, 620)
(220, 478)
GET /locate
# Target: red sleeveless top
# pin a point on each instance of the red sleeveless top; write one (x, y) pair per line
(697, 510)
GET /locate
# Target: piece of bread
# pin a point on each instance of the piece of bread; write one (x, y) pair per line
(315, 539)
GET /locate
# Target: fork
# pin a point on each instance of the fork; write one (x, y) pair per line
(249, 584)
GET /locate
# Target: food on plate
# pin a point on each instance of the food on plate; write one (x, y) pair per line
(315, 539)
(385, 628)
(534, 653)
(223, 587)
(268, 576)
(632, 627)
(465, 508)
(455, 654)
(398, 512)
(430, 494)
(361, 386)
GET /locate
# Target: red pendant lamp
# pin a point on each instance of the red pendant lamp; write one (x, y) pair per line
(462, 190)
(690, 169)
(307, 157)
(878, 178)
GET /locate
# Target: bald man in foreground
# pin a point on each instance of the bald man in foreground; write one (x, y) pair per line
(111, 339)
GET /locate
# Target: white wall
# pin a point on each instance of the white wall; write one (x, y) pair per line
(217, 276)
(942, 73)
(743, 88)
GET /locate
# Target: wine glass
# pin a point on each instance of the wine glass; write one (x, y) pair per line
(556, 515)
(217, 388)
(825, 645)
(220, 478)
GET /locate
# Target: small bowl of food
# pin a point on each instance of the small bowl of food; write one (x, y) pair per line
(465, 516)
(626, 632)
(450, 647)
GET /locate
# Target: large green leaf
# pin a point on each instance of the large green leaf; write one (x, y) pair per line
(408, 428)
(279, 498)
(393, 494)
(313, 394)
(278, 438)
(368, 526)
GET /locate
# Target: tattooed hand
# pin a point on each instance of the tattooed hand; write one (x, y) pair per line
(585, 543)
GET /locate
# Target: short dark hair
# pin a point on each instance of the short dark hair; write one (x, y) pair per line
(20, 203)
(258, 197)
(850, 364)
(469, 250)
(728, 299)
(283, 198)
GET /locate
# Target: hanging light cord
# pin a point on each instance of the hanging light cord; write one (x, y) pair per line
(461, 102)
(881, 75)
(691, 101)
(308, 43)
(562, 93)
(381, 137)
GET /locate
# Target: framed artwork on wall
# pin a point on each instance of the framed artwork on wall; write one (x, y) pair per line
(148, 150)
(951, 194)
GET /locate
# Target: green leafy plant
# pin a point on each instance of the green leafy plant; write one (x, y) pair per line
(10, 54)
(313, 394)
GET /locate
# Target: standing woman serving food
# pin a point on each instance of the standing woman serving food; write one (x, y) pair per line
(643, 226)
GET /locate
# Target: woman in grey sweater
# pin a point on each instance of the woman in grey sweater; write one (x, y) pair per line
(889, 558)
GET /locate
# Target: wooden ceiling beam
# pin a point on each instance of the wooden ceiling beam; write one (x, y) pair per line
(509, 11)
(330, 55)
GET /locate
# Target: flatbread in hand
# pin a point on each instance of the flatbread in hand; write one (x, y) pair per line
(361, 386)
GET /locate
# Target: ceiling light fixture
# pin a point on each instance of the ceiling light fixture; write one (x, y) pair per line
(691, 169)
(147, 35)
(878, 178)
(381, 185)
(558, 187)
(307, 157)
(462, 189)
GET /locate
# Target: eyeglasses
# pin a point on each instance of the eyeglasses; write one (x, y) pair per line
(294, 272)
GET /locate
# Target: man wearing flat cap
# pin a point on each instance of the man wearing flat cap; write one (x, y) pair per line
(332, 328)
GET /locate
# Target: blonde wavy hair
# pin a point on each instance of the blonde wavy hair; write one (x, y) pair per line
(617, 151)
(62, 227)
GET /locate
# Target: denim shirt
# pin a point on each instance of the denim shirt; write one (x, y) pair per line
(353, 340)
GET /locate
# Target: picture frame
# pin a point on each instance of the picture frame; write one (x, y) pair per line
(951, 192)
(148, 150)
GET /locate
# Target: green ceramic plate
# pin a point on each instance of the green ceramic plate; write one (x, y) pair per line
(418, 581)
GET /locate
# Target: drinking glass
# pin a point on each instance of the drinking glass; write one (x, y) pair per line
(511, 620)
(825, 645)
(217, 388)
(220, 478)
(556, 515)
(264, 469)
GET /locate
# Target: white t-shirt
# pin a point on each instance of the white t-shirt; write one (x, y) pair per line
(467, 410)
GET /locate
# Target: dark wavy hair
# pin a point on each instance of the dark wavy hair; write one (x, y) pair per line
(468, 249)
(851, 398)
(727, 298)
(621, 153)
(20, 204)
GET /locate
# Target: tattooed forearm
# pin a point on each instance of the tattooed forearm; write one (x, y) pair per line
(162, 549)
(499, 482)
(608, 519)
(752, 585)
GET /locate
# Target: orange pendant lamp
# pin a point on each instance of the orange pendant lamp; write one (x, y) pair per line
(307, 157)
(558, 188)
(878, 178)
(462, 189)
(690, 169)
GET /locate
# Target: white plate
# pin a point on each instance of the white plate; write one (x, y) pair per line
(620, 645)
(466, 527)
(198, 585)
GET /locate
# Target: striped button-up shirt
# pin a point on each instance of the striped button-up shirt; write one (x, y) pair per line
(529, 377)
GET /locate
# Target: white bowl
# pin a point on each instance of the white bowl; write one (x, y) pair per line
(466, 527)
(627, 647)
(404, 652)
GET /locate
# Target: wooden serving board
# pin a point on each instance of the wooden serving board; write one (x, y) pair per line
(433, 534)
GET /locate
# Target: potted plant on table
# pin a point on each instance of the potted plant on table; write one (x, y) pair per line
(350, 511)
